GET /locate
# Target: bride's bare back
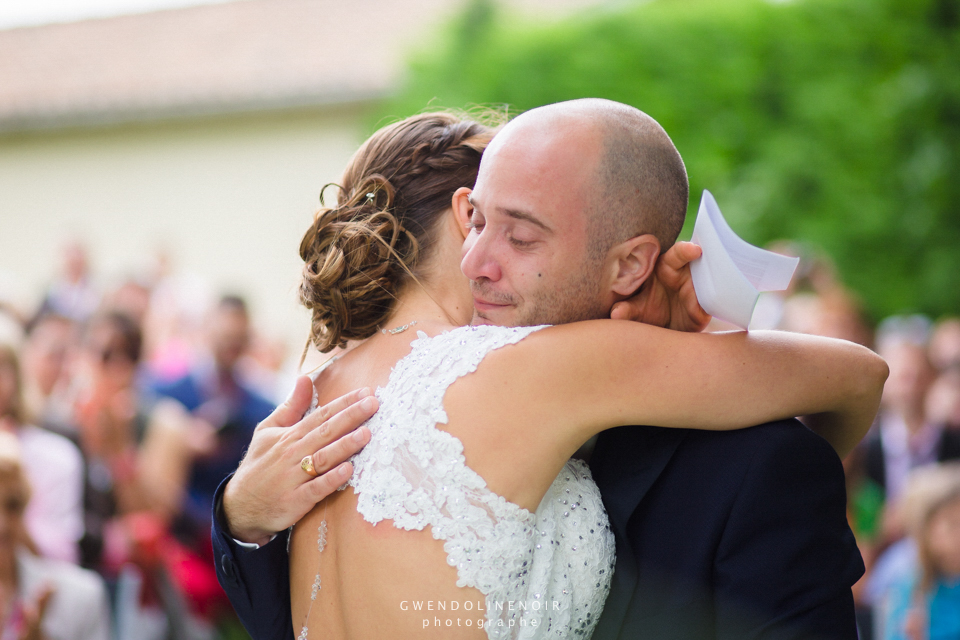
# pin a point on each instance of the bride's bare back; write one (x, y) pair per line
(381, 581)
(377, 581)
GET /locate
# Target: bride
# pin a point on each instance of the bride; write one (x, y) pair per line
(465, 516)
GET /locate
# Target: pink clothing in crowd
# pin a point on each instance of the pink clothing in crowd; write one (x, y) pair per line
(54, 517)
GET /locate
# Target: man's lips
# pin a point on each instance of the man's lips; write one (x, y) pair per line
(482, 305)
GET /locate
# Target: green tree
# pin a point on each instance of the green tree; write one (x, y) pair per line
(835, 122)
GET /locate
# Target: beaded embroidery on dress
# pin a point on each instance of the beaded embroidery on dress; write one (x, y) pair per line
(544, 574)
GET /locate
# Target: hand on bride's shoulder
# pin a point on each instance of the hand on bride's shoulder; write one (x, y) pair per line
(273, 487)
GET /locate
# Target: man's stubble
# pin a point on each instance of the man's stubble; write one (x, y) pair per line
(573, 299)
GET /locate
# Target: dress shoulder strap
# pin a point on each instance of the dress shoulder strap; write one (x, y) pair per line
(435, 363)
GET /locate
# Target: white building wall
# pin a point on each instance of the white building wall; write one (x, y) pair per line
(228, 197)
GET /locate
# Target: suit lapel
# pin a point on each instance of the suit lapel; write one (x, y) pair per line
(625, 464)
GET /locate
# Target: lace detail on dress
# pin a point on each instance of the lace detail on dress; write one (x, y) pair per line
(544, 574)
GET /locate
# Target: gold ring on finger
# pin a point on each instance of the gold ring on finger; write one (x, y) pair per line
(307, 465)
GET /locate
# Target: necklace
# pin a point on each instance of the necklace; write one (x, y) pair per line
(397, 330)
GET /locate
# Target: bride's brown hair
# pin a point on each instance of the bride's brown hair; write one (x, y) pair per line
(394, 191)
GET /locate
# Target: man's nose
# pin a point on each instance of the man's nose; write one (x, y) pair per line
(479, 259)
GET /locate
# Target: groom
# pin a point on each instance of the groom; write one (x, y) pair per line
(729, 535)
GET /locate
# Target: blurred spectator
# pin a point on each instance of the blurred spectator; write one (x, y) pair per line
(920, 596)
(131, 298)
(40, 597)
(904, 438)
(112, 418)
(45, 353)
(173, 324)
(833, 314)
(215, 392)
(11, 326)
(943, 399)
(14, 308)
(73, 294)
(945, 344)
(268, 367)
(53, 464)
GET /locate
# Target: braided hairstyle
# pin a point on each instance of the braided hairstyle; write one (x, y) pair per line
(394, 192)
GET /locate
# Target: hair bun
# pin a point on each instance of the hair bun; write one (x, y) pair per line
(354, 256)
(393, 194)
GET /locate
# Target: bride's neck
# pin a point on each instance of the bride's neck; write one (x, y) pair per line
(425, 302)
(441, 294)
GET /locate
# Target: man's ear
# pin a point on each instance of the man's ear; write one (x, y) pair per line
(462, 209)
(633, 262)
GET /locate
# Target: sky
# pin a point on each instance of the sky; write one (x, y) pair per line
(19, 13)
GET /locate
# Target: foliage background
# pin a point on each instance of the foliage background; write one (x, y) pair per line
(833, 122)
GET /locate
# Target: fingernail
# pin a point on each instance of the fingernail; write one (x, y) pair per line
(344, 469)
(358, 436)
(364, 392)
(368, 404)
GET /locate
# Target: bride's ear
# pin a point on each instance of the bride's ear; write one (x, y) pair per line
(462, 209)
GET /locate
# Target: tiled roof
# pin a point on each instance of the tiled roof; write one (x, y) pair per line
(231, 56)
(248, 54)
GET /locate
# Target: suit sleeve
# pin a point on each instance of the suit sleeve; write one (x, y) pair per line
(787, 549)
(257, 582)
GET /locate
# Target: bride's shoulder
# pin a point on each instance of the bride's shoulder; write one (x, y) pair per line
(470, 335)
(453, 353)
(486, 330)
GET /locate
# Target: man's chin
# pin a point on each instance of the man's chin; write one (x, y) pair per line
(480, 319)
(506, 316)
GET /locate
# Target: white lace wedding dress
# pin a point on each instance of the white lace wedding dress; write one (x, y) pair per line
(544, 574)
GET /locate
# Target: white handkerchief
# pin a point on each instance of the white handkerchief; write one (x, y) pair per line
(731, 273)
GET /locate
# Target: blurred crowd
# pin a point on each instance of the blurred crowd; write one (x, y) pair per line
(903, 481)
(121, 410)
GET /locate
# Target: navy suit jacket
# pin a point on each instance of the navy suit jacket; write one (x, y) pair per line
(727, 535)
(257, 582)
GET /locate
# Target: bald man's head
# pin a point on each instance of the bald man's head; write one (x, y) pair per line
(565, 192)
(640, 183)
